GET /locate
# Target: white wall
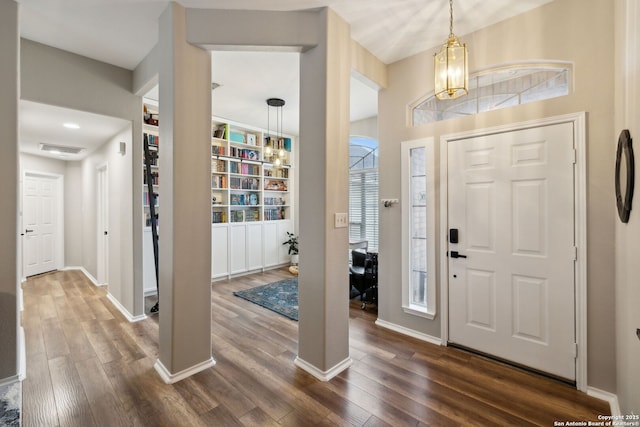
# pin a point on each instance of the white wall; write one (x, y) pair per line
(73, 245)
(365, 127)
(568, 30)
(120, 211)
(627, 283)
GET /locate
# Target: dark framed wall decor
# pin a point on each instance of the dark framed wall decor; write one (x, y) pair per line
(625, 174)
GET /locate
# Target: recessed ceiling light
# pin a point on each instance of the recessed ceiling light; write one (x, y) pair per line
(71, 125)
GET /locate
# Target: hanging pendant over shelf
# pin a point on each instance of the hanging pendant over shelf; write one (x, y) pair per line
(274, 154)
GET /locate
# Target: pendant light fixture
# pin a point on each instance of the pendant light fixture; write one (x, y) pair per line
(451, 66)
(274, 146)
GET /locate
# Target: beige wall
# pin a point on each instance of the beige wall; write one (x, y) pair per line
(627, 285)
(565, 30)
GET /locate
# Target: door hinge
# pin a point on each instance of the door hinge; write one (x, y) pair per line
(574, 156)
(575, 350)
(575, 253)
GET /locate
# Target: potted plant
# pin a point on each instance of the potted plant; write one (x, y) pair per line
(292, 241)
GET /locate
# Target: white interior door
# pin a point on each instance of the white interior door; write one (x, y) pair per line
(103, 225)
(40, 222)
(512, 290)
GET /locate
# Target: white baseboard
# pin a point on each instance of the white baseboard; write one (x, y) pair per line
(9, 380)
(170, 378)
(150, 292)
(86, 273)
(409, 332)
(22, 355)
(614, 405)
(323, 375)
(130, 317)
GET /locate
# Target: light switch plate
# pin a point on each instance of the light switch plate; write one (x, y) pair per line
(341, 220)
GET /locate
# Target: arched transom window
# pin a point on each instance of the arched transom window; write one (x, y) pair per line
(497, 88)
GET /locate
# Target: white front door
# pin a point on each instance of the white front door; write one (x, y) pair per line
(511, 286)
(40, 222)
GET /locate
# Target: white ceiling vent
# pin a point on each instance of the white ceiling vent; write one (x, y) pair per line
(60, 149)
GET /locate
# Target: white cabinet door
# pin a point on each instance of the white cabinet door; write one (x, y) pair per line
(254, 246)
(219, 250)
(148, 263)
(283, 250)
(238, 248)
(271, 244)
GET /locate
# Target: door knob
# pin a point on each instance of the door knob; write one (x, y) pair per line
(455, 254)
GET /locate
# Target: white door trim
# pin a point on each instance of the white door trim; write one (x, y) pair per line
(59, 252)
(580, 201)
(102, 223)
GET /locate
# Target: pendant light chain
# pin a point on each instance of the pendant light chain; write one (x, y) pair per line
(450, 18)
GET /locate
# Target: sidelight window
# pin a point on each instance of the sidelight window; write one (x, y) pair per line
(418, 227)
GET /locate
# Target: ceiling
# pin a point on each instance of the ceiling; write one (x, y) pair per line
(122, 33)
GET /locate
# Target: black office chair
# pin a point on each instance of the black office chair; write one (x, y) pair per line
(362, 277)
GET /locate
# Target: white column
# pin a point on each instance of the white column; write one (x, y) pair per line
(185, 194)
(323, 348)
(9, 88)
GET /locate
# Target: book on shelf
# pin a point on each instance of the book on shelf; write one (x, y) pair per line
(252, 215)
(153, 140)
(244, 153)
(218, 165)
(155, 178)
(147, 219)
(145, 199)
(217, 150)
(278, 143)
(277, 173)
(218, 181)
(238, 183)
(218, 217)
(244, 168)
(220, 131)
(274, 201)
(237, 216)
(274, 214)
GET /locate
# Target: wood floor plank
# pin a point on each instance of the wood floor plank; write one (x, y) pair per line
(105, 406)
(79, 346)
(133, 400)
(71, 403)
(38, 401)
(87, 365)
(102, 344)
(55, 341)
(123, 342)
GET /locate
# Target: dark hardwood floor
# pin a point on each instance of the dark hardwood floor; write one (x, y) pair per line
(86, 365)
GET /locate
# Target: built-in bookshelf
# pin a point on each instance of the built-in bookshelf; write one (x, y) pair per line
(249, 174)
(251, 199)
(152, 135)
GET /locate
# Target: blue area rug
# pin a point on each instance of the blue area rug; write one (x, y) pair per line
(281, 297)
(10, 403)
